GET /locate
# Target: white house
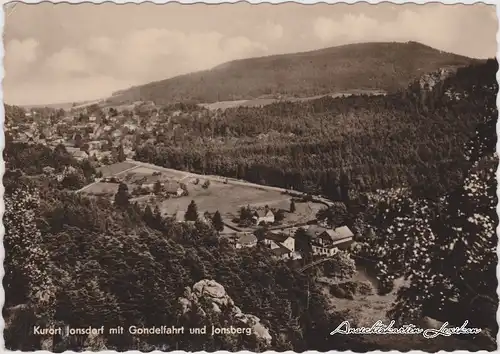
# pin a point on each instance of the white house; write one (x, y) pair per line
(282, 245)
(327, 241)
(173, 188)
(283, 253)
(342, 237)
(328, 251)
(277, 239)
(261, 216)
(245, 239)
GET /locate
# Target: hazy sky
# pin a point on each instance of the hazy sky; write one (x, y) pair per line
(65, 53)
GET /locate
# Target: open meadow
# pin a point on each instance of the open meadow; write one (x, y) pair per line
(111, 170)
(227, 198)
(102, 189)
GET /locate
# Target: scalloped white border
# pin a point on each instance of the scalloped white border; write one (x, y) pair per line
(305, 2)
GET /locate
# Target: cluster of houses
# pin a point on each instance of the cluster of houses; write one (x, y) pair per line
(91, 137)
(145, 186)
(324, 241)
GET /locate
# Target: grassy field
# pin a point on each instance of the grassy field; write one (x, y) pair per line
(145, 175)
(172, 174)
(259, 102)
(226, 198)
(113, 169)
(136, 178)
(102, 188)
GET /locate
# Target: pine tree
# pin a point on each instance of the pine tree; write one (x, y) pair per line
(192, 212)
(292, 206)
(303, 243)
(217, 221)
(121, 154)
(157, 188)
(122, 197)
(148, 216)
(158, 218)
(344, 188)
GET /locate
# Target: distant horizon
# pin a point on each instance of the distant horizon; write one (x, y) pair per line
(83, 101)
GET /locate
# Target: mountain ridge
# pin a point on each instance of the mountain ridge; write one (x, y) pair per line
(387, 66)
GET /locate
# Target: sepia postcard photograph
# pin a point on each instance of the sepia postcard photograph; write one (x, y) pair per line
(250, 177)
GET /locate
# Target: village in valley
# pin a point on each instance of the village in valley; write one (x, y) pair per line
(242, 212)
(244, 169)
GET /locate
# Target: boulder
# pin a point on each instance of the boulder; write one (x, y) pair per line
(218, 298)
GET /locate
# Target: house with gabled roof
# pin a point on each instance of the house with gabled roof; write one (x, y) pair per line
(328, 241)
(245, 239)
(173, 189)
(263, 216)
(275, 239)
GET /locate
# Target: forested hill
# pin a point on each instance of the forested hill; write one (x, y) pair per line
(369, 66)
(412, 138)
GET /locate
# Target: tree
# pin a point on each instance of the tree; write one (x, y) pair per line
(217, 221)
(292, 206)
(344, 188)
(341, 266)
(157, 189)
(184, 188)
(85, 147)
(192, 212)
(446, 248)
(28, 277)
(246, 215)
(78, 140)
(105, 160)
(279, 216)
(121, 154)
(334, 216)
(158, 218)
(261, 233)
(73, 181)
(112, 112)
(122, 197)
(303, 243)
(148, 216)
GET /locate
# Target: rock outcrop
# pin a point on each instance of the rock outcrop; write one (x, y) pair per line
(214, 294)
(429, 80)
